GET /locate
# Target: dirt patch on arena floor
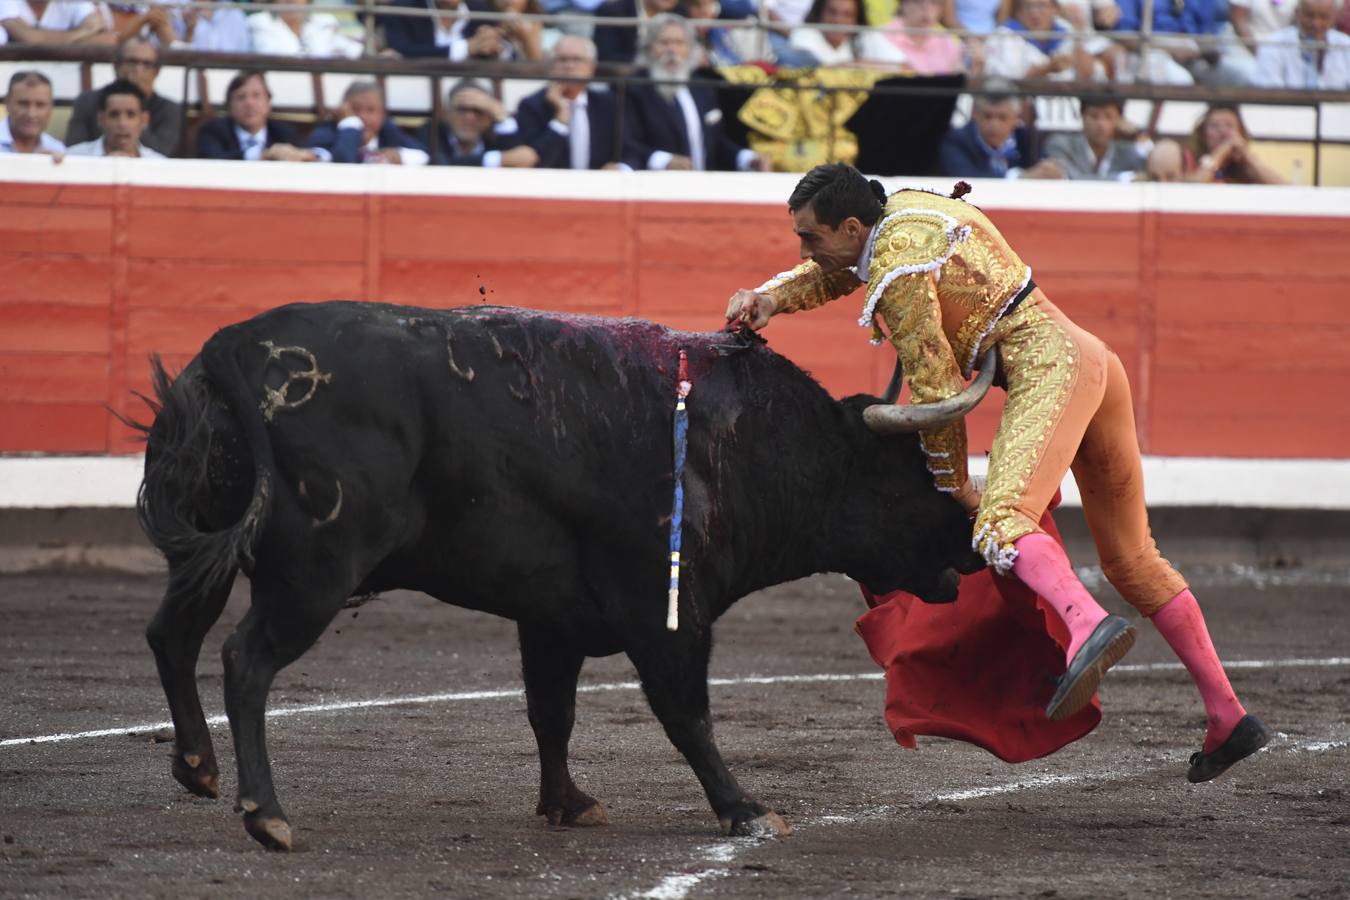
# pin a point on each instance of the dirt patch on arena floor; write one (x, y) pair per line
(437, 797)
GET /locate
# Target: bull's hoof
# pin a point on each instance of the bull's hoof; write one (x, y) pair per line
(272, 832)
(197, 773)
(592, 815)
(582, 814)
(771, 824)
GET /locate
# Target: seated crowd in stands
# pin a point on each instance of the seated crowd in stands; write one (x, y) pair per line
(676, 124)
(1265, 43)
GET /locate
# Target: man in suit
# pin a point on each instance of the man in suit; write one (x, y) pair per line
(1096, 155)
(441, 36)
(247, 131)
(568, 125)
(470, 133)
(674, 125)
(992, 144)
(136, 61)
(619, 43)
(364, 133)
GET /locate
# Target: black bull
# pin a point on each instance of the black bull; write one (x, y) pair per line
(518, 463)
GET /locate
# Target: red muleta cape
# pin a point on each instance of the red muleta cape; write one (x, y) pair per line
(979, 670)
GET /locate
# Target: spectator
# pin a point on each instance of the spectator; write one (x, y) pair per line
(28, 107)
(1166, 162)
(619, 43)
(784, 16)
(1175, 56)
(1220, 151)
(518, 38)
(1249, 23)
(843, 48)
(1013, 53)
(440, 36)
(721, 46)
(122, 119)
(364, 133)
(153, 21)
(1290, 58)
(216, 30)
(469, 137)
(676, 126)
(567, 125)
(993, 144)
(1096, 154)
(39, 22)
(136, 61)
(248, 132)
(301, 33)
(975, 16)
(927, 54)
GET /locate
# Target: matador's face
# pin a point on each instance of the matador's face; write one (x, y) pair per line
(831, 248)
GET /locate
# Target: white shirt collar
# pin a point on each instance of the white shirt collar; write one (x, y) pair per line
(865, 260)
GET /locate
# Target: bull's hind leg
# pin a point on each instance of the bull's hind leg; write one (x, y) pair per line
(175, 635)
(551, 671)
(283, 622)
(674, 673)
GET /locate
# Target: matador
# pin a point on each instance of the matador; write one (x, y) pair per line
(943, 285)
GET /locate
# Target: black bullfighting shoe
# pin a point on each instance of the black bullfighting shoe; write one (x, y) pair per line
(1110, 640)
(1249, 735)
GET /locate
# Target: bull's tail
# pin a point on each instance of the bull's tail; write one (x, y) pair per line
(176, 500)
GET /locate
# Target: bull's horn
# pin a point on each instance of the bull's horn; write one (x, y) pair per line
(887, 418)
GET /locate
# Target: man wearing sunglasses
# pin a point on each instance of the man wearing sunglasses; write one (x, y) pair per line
(136, 61)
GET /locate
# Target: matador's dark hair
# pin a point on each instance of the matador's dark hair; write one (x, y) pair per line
(836, 191)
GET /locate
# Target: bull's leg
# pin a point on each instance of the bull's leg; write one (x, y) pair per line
(674, 673)
(279, 627)
(175, 635)
(551, 671)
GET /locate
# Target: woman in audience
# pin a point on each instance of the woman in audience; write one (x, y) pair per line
(927, 53)
(843, 48)
(1220, 151)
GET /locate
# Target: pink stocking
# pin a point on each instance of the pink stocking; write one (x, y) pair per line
(1042, 565)
(1183, 626)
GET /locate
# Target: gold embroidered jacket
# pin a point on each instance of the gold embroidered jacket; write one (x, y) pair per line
(939, 276)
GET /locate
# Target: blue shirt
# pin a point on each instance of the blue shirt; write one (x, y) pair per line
(1195, 16)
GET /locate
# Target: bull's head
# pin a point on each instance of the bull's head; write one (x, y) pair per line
(888, 418)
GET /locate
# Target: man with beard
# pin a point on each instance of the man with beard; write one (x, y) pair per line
(137, 61)
(568, 125)
(673, 125)
(122, 119)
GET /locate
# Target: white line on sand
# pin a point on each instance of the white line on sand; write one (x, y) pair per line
(515, 693)
(677, 886)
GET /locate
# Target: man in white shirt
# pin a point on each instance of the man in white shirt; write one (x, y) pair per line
(29, 105)
(122, 117)
(49, 21)
(1292, 57)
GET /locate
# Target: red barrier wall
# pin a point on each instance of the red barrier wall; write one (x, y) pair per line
(1234, 327)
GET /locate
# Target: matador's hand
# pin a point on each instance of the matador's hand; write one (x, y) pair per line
(751, 308)
(969, 495)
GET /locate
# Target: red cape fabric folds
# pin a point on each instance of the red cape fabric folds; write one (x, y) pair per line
(979, 670)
